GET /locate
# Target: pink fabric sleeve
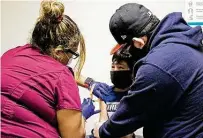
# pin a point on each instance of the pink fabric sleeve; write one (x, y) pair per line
(67, 92)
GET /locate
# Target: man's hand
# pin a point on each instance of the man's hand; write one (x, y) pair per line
(88, 109)
(104, 92)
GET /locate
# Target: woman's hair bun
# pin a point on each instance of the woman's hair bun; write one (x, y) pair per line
(51, 9)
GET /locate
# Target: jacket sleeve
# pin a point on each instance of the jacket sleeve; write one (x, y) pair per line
(152, 95)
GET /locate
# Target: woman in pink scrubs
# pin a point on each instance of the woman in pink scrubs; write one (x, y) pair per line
(39, 95)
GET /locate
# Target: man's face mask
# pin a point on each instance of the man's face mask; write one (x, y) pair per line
(121, 79)
(138, 53)
(130, 50)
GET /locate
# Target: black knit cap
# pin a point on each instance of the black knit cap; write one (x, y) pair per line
(132, 20)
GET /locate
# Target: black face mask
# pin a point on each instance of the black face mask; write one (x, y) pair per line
(129, 50)
(138, 53)
(121, 79)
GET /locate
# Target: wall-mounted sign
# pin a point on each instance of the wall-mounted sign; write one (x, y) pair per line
(194, 12)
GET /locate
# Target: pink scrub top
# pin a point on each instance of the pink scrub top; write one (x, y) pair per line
(33, 87)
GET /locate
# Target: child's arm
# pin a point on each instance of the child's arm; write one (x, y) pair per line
(103, 114)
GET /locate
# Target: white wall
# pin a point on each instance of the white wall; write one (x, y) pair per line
(18, 19)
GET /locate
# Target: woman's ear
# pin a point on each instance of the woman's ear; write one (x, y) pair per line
(58, 51)
(140, 42)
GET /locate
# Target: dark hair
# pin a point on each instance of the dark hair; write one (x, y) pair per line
(54, 29)
(118, 57)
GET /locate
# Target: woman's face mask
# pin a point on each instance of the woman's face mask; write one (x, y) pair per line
(69, 61)
(121, 79)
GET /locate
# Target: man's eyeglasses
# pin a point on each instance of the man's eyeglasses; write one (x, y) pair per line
(74, 54)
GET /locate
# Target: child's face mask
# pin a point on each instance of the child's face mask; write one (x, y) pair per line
(121, 79)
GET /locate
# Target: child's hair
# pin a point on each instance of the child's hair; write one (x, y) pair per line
(118, 57)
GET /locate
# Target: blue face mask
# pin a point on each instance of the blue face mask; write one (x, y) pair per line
(121, 79)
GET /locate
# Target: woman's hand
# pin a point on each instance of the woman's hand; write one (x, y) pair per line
(88, 108)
